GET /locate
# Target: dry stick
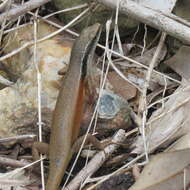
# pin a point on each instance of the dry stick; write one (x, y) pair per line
(3, 179)
(174, 17)
(16, 12)
(11, 162)
(89, 180)
(39, 92)
(57, 12)
(143, 101)
(96, 162)
(26, 166)
(152, 18)
(17, 138)
(11, 183)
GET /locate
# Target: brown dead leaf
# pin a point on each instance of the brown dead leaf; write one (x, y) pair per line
(121, 87)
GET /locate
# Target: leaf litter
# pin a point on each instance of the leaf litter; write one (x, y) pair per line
(167, 126)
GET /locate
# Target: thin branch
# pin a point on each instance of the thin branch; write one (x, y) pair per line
(143, 100)
(17, 138)
(39, 92)
(11, 162)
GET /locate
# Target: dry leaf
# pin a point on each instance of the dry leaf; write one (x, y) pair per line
(165, 171)
(121, 87)
(169, 122)
(180, 62)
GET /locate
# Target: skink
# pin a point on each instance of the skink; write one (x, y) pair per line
(69, 106)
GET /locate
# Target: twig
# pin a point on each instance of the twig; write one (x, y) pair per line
(12, 162)
(24, 167)
(17, 138)
(39, 92)
(16, 12)
(96, 162)
(143, 102)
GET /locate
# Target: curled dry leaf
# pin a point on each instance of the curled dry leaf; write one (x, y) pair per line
(165, 171)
